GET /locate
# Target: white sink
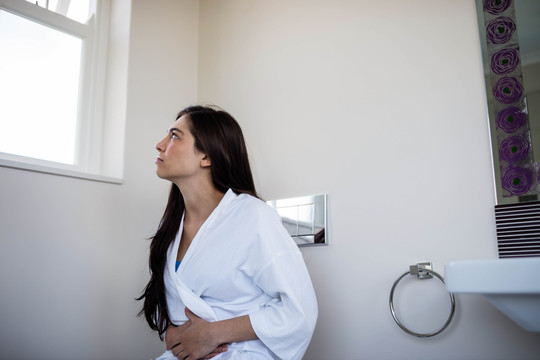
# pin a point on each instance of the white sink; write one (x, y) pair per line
(511, 285)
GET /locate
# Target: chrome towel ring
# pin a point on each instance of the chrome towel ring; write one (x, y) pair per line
(422, 271)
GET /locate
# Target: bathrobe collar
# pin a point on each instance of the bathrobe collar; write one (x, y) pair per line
(171, 263)
(172, 276)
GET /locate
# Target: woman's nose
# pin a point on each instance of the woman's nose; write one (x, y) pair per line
(160, 146)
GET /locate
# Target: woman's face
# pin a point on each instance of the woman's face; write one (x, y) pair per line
(178, 159)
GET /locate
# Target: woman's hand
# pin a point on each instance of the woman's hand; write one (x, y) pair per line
(197, 340)
(173, 333)
(193, 340)
(174, 338)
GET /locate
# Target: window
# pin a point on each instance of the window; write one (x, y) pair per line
(52, 69)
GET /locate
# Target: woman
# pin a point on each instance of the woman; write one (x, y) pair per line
(226, 280)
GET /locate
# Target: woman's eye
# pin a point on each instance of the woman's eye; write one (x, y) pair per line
(174, 136)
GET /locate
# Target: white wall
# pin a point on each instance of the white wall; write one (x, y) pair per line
(379, 104)
(73, 253)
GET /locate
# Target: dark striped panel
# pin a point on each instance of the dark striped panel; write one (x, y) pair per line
(518, 229)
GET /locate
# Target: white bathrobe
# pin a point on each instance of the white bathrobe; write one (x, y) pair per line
(243, 262)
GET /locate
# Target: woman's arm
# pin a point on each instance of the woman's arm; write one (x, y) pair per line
(202, 338)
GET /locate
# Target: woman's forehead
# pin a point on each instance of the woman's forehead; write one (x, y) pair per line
(181, 123)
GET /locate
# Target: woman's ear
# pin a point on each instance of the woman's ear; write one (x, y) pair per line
(205, 161)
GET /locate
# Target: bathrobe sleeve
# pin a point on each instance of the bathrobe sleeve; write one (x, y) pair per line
(285, 323)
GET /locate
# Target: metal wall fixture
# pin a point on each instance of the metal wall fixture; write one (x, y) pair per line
(304, 218)
(422, 271)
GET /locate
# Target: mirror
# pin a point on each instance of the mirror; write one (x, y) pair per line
(510, 39)
(304, 218)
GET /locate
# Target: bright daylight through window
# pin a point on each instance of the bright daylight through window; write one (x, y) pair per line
(47, 72)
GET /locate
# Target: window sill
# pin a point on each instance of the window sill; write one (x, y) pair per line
(59, 170)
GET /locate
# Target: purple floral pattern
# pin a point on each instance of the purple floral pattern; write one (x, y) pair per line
(500, 30)
(505, 61)
(511, 119)
(496, 7)
(514, 149)
(517, 181)
(519, 175)
(508, 90)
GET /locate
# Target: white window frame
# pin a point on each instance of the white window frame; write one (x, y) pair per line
(92, 89)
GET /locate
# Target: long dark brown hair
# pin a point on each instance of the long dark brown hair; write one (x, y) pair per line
(218, 135)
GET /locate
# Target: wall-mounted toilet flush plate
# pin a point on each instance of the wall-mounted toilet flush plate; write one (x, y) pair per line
(305, 218)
